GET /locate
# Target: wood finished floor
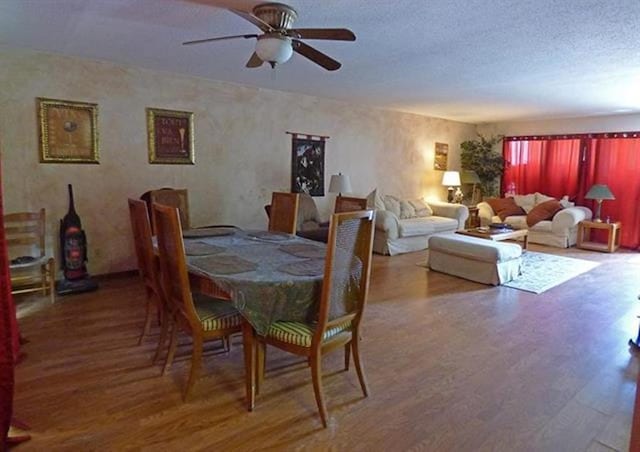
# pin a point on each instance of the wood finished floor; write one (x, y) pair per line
(452, 365)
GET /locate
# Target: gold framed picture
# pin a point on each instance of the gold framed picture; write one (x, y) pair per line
(68, 131)
(441, 156)
(170, 135)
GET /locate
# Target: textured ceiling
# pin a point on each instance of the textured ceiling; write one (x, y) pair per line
(468, 60)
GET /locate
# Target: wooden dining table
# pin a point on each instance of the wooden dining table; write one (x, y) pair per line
(268, 276)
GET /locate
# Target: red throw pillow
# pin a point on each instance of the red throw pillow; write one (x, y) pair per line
(505, 207)
(543, 211)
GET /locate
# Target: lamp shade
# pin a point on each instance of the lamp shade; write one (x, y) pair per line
(340, 183)
(599, 191)
(451, 179)
(469, 177)
(274, 49)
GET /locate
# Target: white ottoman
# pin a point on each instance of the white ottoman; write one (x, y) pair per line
(480, 260)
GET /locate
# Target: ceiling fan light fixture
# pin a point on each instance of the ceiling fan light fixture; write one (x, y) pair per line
(274, 49)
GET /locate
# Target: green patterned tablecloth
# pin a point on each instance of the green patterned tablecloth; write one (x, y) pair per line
(270, 277)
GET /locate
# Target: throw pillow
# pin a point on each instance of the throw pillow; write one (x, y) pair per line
(543, 211)
(422, 208)
(504, 207)
(392, 204)
(525, 201)
(406, 210)
(566, 203)
(540, 198)
(374, 200)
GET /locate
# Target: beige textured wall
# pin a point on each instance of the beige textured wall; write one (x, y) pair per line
(242, 151)
(613, 123)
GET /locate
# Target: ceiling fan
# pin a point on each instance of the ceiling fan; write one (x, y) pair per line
(278, 40)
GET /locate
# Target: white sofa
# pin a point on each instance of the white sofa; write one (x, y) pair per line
(404, 233)
(561, 231)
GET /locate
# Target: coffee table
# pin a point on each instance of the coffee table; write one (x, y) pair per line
(498, 235)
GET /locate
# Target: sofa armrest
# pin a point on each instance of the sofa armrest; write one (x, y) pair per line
(388, 222)
(485, 213)
(569, 218)
(458, 212)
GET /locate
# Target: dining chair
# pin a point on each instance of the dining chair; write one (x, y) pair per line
(173, 197)
(30, 267)
(349, 204)
(283, 215)
(342, 302)
(149, 272)
(200, 316)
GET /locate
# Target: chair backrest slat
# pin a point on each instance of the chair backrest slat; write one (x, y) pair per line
(173, 264)
(143, 242)
(173, 197)
(284, 212)
(347, 269)
(349, 204)
(25, 233)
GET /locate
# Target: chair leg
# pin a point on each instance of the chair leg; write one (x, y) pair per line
(165, 320)
(196, 364)
(347, 355)
(262, 357)
(172, 346)
(147, 320)
(316, 376)
(52, 280)
(358, 363)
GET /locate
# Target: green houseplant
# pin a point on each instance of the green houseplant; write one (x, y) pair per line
(479, 156)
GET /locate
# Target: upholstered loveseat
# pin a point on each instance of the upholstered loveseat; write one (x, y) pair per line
(403, 226)
(560, 230)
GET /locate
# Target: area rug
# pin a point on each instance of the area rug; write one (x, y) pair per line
(541, 272)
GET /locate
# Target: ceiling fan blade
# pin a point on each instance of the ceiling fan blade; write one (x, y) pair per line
(200, 41)
(254, 61)
(315, 55)
(261, 24)
(336, 34)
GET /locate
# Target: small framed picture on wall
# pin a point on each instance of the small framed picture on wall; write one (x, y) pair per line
(170, 136)
(68, 131)
(441, 156)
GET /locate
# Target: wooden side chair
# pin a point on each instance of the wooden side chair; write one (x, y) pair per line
(178, 198)
(349, 204)
(30, 267)
(202, 317)
(283, 216)
(342, 302)
(149, 272)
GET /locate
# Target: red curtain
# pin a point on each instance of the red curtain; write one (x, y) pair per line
(550, 167)
(615, 162)
(9, 336)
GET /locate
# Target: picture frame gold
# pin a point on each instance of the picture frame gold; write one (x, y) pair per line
(68, 131)
(170, 136)
(441, 156)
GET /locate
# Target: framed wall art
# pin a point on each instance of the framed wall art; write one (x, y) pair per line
(68, 131)
(307, 165)
(170, 136)
(440, 160)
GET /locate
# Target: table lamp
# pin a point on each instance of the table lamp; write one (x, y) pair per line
(340, 183)
(451, 179)
(599, 192)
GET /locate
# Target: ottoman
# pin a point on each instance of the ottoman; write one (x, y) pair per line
(476, 259)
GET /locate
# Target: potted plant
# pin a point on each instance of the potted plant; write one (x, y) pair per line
(479, 156)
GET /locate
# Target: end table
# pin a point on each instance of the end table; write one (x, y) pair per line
(613, 236)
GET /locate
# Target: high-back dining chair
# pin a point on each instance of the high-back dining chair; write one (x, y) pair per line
(283, 215)
(202, 317)
(349, 204)
(149, 271)
(173, 197)
(30, 267)
(342, 302)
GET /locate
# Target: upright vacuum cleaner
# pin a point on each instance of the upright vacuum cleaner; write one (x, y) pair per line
(73, 248)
